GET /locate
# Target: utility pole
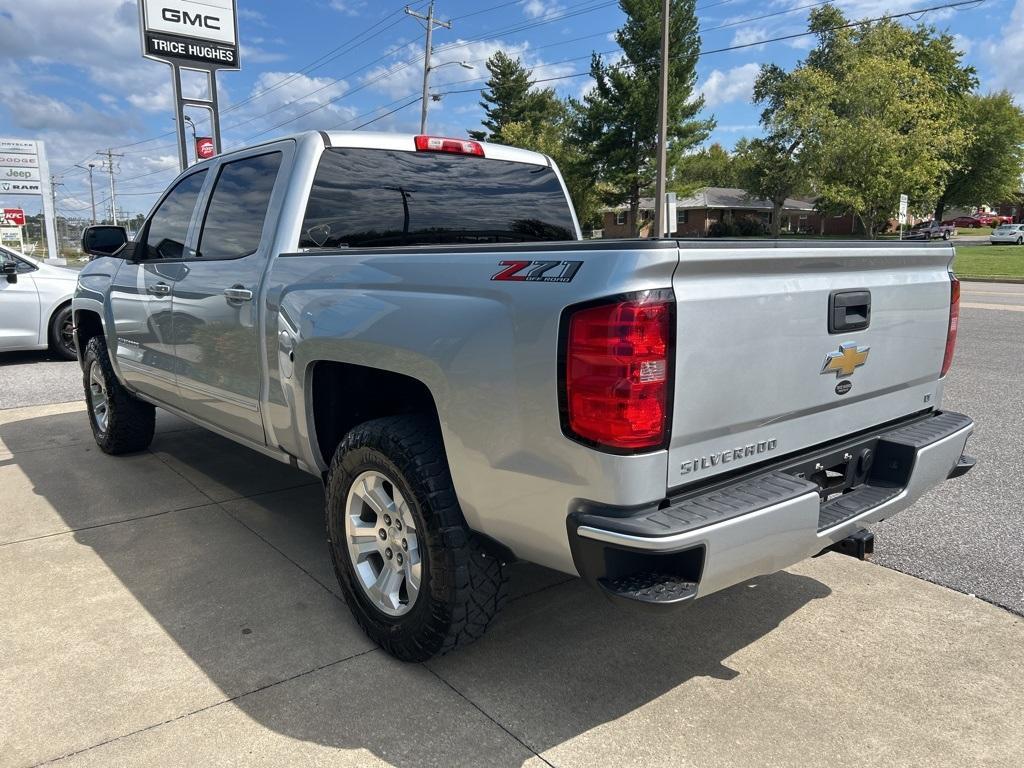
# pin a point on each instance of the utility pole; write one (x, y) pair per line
(111, 169)
(660, 225)
(53, 199)
(430, 23)
(92, 191)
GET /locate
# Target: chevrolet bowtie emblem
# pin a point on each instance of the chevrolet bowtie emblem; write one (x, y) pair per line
(846, 360)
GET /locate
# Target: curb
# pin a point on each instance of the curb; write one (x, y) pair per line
(991, 278)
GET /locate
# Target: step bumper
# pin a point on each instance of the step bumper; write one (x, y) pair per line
(763, 521)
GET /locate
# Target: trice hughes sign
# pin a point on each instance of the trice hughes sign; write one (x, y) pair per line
(199, 34)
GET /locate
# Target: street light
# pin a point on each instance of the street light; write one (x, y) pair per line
(92, 193)
(426, 85)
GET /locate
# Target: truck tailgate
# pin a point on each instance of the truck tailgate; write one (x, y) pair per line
(753, 340)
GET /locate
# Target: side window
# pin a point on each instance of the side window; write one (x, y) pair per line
(168, 227)
(233, 225)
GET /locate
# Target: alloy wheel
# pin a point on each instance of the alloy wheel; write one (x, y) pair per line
(383, 545)
(98, 398)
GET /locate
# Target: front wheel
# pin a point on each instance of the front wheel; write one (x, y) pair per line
(62, 334)
(121, 423)
(415, 577)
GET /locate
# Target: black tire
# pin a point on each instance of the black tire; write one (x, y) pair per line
(1020, 241)
(945, 234)
(462, 586)
(129, 422)
(62, 334)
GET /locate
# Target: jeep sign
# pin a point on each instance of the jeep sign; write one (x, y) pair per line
(189, 32)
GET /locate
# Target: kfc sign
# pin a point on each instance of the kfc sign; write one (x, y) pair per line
(204, 148)
(13, 217)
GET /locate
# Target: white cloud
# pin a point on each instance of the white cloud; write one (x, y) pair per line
(1004, 54)
(348, 7)
(731, 85)
(404, 76)
(748, 36)
(546, 9)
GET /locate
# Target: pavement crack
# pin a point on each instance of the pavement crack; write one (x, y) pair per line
(200, 710)
(486, 714)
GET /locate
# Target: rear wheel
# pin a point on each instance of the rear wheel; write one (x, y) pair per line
(121, 423)
(415, 577)
(62, 333)
(1020, 241)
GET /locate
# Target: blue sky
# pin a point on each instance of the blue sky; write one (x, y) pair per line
(74, 75)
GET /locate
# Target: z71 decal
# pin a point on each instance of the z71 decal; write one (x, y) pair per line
(538, 271)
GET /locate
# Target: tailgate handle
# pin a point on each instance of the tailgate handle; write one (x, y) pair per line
(849, 311)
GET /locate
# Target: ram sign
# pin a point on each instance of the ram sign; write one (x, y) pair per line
(191, 33)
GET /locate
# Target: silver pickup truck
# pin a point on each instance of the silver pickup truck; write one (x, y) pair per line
(416, 321)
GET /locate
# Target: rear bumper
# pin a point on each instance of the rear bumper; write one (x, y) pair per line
(762, 521)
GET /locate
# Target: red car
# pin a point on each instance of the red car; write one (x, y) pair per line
(993, 219)
(969, 222)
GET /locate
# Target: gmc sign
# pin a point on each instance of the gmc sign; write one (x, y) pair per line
(191, 31)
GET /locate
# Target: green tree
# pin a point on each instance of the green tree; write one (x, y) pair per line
(770, 169)
(511, 98)
(870, 114)
(710, 167)
(988, 165)
(618, 119)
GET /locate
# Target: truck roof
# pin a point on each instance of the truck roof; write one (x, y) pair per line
(399, 141)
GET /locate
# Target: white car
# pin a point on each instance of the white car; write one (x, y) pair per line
(1008, 234)
(35, 305)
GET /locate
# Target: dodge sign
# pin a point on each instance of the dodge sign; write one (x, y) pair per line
(189, 32)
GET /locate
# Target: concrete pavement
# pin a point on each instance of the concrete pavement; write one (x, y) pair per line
(199, 624)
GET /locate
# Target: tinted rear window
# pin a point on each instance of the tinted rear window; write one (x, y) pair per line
(369, 198)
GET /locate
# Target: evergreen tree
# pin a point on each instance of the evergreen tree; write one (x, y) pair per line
(511, 98)
(619, 117)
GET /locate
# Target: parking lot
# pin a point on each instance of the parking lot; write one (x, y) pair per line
(178, 607)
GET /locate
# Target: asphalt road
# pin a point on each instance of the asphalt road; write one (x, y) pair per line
(966, 535)
(969, 533)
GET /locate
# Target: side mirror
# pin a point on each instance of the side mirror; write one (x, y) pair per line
(10, 270)
(104, 240)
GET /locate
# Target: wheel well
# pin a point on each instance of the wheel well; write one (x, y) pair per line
(87, 325)
(344, 395)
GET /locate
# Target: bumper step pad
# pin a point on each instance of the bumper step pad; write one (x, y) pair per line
(650, 587)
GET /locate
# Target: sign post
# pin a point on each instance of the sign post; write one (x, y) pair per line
(24, 171)
(902, 213)
(193, 37)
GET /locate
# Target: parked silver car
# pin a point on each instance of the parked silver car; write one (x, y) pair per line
(1008, 234)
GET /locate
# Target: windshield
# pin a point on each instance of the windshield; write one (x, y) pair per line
(373, 198)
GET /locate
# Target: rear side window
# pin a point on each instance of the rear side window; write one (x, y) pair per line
(233, 226)
(168, 227)
(366, 198)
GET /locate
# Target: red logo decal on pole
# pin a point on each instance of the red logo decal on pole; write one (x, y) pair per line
(204, 147)
(13, 217)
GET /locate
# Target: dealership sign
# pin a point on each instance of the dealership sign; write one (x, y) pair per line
(24, 171)
(199, 34)
(19, 168)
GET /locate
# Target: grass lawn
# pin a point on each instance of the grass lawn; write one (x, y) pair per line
(989, 261)
(970, 232)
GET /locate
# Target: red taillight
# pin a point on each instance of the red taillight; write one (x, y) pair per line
(455, 146)
(617, 372)
(954, 323)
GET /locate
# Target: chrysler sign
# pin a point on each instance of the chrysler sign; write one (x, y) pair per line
(191, 33)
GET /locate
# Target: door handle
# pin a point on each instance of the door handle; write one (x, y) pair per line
(238, 293)
(158, 289)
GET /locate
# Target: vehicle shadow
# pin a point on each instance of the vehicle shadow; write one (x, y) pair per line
(557, 663)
